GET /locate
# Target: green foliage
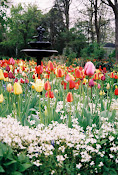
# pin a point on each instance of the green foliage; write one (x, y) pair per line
(113, 54)
(22, 26)
(10, 164)
(93, 51)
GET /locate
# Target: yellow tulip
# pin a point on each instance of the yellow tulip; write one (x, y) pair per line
(9, 87)
(1, 98)
(108, 86)
(1, 75)
(38, 85)
(17, 88)
(102, 92)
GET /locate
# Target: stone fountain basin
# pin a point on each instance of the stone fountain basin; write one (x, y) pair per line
(39, 44)
(39, 52)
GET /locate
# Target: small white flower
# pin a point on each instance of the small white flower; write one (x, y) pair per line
(78, 165)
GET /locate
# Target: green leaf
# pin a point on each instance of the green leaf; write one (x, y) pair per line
(1, 170)
(24, 166)
(9, 163)
(16, 173)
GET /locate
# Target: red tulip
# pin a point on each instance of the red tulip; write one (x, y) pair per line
(21, 81)
(47, 86)
(5, 74)
(49, 94)
(50, 66)
(89, 69)
(71, 84)
(39, 69)
(77, 73)
(69, 97)
(116, 91)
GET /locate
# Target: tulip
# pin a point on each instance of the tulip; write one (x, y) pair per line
(39, 69)
(38, 85)
(91, 83)
(1, 98)
(7, 68)
(17, 88)
(22, 81)
(102, 92)
(11, 61)
(10, 75)
(96, 76)
(71, 84)
(9, 87)
(69, 97)
(49, 94)
(47, 86)
(59, 72)
(50, 66)
(5, 74)
(78, 73)
(1, 75)
(108, 86)
(103, 78)
(89, 68)
(26, 81)
(116, 91)
(99, 86)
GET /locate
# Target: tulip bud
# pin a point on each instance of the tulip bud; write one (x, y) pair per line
(91, 83)
(47, 86)
(1, 75)
(89, 68)
(9, 87)
(7, 68)
(49, 94)
(69, 97)
(17, 88)
(108, 86)
(1, 98)
(116, 91)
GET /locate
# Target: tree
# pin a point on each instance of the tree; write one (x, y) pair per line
(114, 6)
(3, 8)
(64, 6)
(22, 26)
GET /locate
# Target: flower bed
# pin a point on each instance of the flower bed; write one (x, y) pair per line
(58, 120)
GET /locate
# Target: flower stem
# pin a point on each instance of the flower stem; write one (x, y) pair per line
(41, 120)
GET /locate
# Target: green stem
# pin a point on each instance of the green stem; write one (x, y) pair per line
(19, 108)
(92, 100)
(41, 119)
(69, 120)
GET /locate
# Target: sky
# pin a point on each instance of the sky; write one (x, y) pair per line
(46, 5)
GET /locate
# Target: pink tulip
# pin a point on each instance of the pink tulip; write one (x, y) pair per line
(99, 86)
(91, 83)
(89, 68)
(67, 78)
(11, 61)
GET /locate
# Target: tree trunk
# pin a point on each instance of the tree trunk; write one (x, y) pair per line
(67, 5)
(116, 35)
(97, 29)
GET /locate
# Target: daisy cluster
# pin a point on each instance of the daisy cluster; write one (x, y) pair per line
(91, 149)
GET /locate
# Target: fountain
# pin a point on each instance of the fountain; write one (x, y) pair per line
(38, 47)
